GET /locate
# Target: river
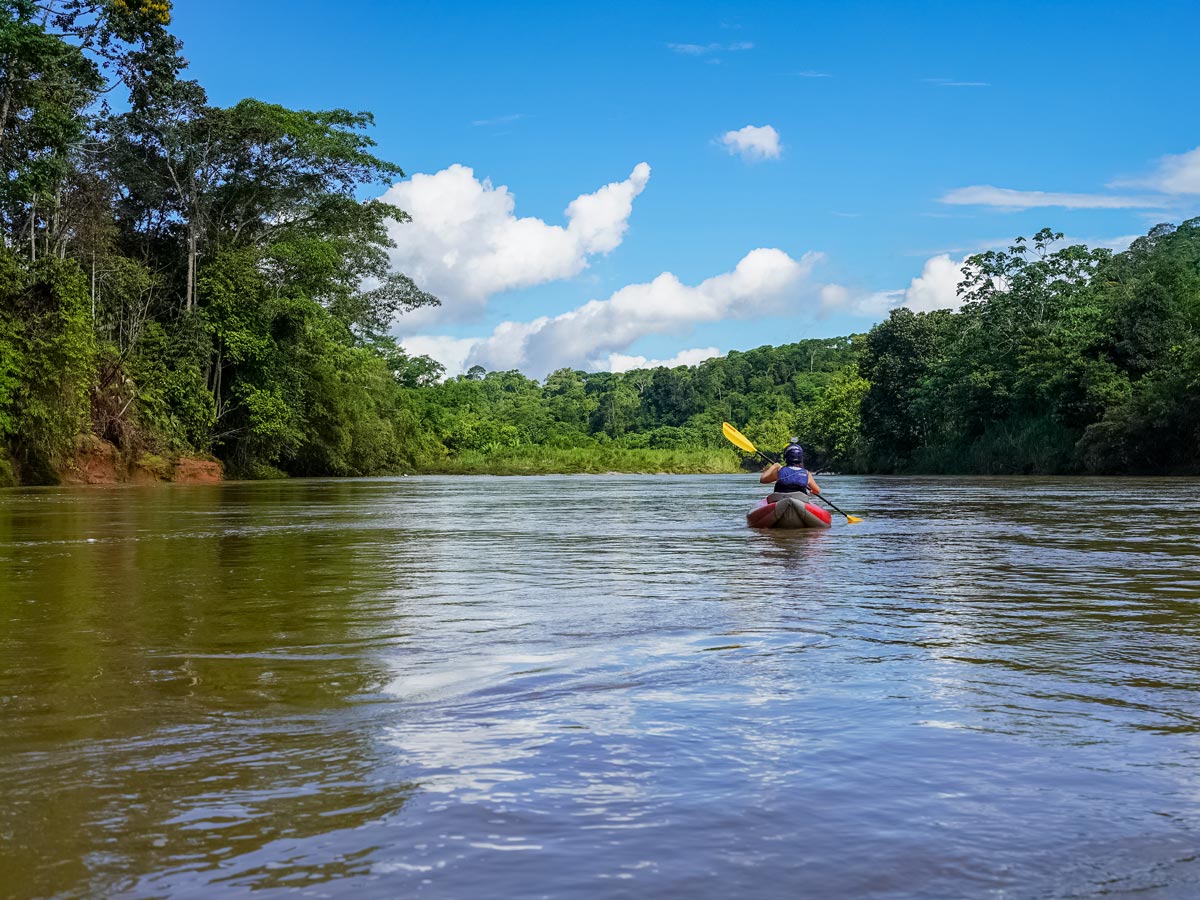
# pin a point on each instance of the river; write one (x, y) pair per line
(600, 687)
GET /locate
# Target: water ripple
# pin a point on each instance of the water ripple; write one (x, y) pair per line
(454, 688)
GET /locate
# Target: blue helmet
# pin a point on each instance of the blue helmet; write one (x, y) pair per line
(793, 454)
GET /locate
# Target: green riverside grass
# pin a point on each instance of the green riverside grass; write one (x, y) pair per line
(591, 461)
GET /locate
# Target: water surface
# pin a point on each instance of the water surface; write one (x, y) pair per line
(600, 687)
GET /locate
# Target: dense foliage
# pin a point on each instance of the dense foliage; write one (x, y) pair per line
(807, 388)
(1059, 361)
(181, 277)
(177, 277)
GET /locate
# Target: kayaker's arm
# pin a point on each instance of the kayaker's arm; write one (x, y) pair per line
(813, 487)
(770, 474)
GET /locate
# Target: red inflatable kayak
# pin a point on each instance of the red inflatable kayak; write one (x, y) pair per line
(788, 512)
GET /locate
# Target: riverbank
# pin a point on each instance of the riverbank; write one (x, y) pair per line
(97, 461)
(592, 461)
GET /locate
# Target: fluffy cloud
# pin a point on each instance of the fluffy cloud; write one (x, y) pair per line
(935, 288)
(937, 285)
(1177, 173)
(596, 334)
(1006, 198)
(619, 362)
(465, 243)
(451, 352)
(753, 143)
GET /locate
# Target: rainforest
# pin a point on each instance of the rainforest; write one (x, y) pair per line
(180, 280)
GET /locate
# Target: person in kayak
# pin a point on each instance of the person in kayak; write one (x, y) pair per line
(791, 477)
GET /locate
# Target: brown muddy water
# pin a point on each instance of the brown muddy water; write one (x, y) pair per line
(600, 687)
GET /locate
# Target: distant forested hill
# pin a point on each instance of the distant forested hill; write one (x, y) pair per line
(777, 391)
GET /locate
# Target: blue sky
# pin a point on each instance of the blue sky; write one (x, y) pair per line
(882, 111)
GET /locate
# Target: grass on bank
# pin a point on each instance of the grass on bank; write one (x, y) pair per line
(589, 461)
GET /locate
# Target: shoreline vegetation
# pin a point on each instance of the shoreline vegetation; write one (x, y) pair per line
(556, 461)
(185, 286)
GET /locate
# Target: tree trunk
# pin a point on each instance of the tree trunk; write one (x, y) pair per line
(4, 104)
(53, 235)
(217, 388)
(191, 267)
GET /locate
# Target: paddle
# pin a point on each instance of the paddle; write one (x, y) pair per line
(742, 442)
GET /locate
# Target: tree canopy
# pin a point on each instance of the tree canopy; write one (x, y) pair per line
(181, 276)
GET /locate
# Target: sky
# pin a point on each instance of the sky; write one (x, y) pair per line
(606, 186)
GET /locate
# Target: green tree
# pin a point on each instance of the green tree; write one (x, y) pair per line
(47, 360)
(46, 84)
(899, 356)
(834, 422)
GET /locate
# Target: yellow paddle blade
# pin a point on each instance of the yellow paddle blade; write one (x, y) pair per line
(852, 519)
(736, 438)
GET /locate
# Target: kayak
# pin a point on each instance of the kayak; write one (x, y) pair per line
(787, 512)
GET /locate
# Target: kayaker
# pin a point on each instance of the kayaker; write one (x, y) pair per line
(791, 476)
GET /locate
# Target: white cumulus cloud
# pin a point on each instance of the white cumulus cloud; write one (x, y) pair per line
(451, 352)
(935, 288)
(753, 143)
(598, 333)
(620, 362)
(937, 285)
(465, 242)
(1177, 173)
